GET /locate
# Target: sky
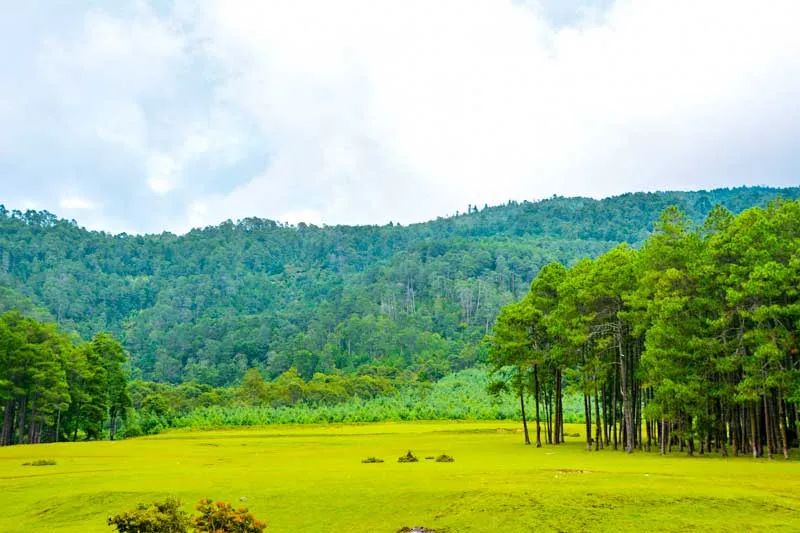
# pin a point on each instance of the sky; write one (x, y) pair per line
(145, 116)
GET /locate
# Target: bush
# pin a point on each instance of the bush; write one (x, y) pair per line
(407, 458)
(156, 517)
(221, 517)
(372, 460)
(40, 462)
(444, 459)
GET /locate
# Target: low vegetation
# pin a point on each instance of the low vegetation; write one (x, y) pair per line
(40, 462)
(408, 458)
(169, 517)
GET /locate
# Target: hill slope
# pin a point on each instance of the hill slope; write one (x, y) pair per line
(209, 304)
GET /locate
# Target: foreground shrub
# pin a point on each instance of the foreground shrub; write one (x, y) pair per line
(444, 459)
(156, 517)
(407, 458)
(167, 517)
(219, 517)
(372, 460)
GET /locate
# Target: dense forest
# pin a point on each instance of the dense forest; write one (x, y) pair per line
(53, 388)
(691, 340)
(381, 300)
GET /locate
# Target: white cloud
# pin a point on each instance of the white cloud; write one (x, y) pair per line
(359, 111)
(407, 110)
(75, 202)
(162, 173)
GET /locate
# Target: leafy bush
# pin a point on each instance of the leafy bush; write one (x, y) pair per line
(156, 517)
(407, 458)
(221, 517)
(167, 517)
(372, 460)
(444, 459)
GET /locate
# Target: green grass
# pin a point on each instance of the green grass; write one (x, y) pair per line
(311, 478)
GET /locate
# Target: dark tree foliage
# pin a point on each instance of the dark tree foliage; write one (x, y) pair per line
(691, 341)
(208, 305)
(52, 389)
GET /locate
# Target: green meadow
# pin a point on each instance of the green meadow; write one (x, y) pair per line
(310, 478)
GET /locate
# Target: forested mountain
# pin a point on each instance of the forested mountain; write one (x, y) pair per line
(210, 304)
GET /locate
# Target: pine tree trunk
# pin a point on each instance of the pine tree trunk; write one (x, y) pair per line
(754, 429)
(627, 407)
(614, 408)
(536, 395)
(559, 409)
(524, 419)
(21, 419)
(587, 414)
(598, 433)
(8, 423)
(767, 426)
(782, 427)
(548, 414)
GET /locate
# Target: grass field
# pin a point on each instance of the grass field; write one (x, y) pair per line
(310, 478)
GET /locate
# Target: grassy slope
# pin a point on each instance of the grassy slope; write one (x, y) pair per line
(309, 478)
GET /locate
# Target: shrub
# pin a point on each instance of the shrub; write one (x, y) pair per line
(156, 517)
(372, 460)
(221, 517)
(407, 458)
(444, 459)
(40, 462)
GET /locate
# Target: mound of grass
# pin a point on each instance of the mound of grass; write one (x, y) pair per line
(372, 460)
(40, 462)
(407, 458)
(444, 458)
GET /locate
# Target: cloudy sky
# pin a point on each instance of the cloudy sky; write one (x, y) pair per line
(149, 116)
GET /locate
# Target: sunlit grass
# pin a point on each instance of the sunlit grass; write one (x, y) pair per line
(311, 478)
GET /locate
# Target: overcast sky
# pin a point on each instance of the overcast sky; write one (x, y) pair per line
(150, 116)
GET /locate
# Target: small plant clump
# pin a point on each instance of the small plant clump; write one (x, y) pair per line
(40, 462)
(429, 458)
(156, 517)
(407, 458)
(372, 460)
(416, 529)
(444, 458)
(221, 517)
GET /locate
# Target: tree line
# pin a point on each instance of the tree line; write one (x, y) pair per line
(53, 388)
(690, 341)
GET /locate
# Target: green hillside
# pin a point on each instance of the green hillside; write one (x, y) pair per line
(209, 304)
